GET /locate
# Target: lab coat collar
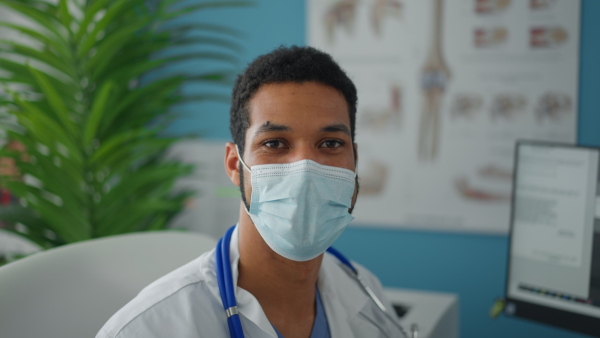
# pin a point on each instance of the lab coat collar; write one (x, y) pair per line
(248, 305)
(343, 299)
(340, 307)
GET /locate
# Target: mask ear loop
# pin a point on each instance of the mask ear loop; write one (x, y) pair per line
(241, 160)
(237, 149)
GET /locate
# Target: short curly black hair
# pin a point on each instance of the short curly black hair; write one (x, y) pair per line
(286, 64)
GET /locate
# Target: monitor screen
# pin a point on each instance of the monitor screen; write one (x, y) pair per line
(554, 256)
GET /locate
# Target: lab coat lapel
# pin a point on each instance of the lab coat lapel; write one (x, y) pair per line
(347, 307)
(350, 312)
(256, 323)
(377, 322)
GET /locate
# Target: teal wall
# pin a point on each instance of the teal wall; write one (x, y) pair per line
(472, 266)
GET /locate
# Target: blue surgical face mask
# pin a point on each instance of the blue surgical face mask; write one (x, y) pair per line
(300, 208)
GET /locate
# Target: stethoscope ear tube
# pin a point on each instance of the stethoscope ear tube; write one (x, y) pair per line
(226, 289)
(342, 259)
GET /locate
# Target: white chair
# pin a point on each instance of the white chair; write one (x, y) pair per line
(71, 291)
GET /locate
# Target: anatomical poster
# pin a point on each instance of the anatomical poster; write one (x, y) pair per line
(445, 89)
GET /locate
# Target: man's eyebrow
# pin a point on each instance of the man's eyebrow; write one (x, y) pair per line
(335, 128)
(270, 127)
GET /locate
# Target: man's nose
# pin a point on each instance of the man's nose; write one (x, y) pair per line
(305, 152)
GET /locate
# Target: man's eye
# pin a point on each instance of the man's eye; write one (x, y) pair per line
(275, 144)
(331, 144)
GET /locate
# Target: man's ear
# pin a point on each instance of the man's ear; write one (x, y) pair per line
(355, 147)
(232, 163)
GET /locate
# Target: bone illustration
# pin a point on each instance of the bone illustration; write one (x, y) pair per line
(489, 37)
(375, 178)
(382, 9)
(469, 192)
(384, 118)
(507, 106)
(466, 105)
(537, 5)
(487, 7)
(553, 106)
(547, 37)
(491, 183)
(434, 81)
(341, 14)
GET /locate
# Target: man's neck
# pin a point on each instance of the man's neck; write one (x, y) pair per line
(285, 289)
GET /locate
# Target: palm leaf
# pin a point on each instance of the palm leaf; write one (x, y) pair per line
(203, 5)
(42, 17)
(97, 110)
(89, 107)
(54, 99)
(43, 56)
(35, 225)
(51, 42)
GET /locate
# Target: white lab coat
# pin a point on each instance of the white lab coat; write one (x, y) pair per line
(186, 303)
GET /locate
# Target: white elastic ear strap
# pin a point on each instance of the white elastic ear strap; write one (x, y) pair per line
(250, 171)
(240, 157)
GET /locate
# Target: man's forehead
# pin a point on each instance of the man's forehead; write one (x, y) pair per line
(291, 106)
(291, 86)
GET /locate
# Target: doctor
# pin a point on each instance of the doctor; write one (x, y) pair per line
(294, 158)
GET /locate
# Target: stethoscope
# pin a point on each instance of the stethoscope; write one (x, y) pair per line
(225, 282)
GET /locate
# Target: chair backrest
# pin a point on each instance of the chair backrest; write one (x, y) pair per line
(71, 291)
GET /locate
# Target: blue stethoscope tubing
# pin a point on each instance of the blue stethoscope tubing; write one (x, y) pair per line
(225, 282)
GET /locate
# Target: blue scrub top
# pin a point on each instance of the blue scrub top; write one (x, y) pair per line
(320, 327)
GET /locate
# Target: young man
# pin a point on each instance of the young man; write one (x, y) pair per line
(294, 159)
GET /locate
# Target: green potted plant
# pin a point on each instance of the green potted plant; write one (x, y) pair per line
(77, 96)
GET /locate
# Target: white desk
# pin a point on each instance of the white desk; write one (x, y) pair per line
(435, 313)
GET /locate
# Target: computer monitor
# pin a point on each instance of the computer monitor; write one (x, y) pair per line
(554, 254)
